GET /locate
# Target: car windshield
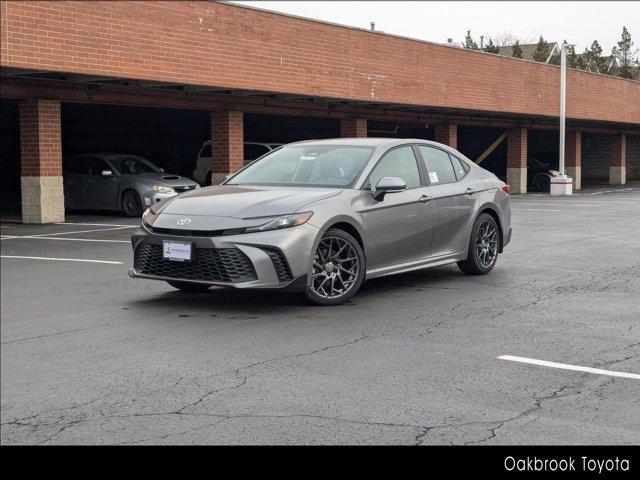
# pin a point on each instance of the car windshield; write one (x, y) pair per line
(133, 165)
(307, 165)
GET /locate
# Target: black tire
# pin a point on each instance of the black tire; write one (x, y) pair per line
(189, 287)
(131, 203)
(207, 181)
(542, 183)
(484, 244)
(336, 269)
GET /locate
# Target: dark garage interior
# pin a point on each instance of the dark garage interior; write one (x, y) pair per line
(172, 138)
(10, 157)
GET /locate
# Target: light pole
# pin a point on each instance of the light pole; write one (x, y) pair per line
(560, 183)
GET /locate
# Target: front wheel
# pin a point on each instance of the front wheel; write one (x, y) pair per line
(483, 246)
(131, 204)
(189, 287)
(338, 269)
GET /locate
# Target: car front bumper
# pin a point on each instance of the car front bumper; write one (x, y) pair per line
(277, 259)
(151, 197)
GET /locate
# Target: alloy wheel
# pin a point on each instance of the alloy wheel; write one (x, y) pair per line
(131, 203)
(487, 243)
(336, 267)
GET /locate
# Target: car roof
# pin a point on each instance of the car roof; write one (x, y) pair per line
(365, 141)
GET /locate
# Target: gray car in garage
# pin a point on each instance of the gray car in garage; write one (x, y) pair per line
(117, 181)
(323, 216)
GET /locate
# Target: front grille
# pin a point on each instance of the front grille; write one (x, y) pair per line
(185, 188)
(280, 264)
(194, 233)
(208, 264)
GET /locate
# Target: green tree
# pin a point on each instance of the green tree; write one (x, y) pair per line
(491, 47)
(624, 54)
(542, 51)
(469, 43)
(573, 60)
(593, 59)
(516, 50)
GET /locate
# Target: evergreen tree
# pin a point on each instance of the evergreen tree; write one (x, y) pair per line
(491, 47)
(542, 51)
(573, 61)
(469, 43)
(625, 55)
(516, 50)
(593, 59)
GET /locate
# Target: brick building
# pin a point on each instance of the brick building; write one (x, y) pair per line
(66, 61)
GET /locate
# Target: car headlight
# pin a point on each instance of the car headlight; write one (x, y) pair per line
(162, 189)
(285, 221)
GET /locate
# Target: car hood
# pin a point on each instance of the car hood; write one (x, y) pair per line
(167, 179)
(243, 202)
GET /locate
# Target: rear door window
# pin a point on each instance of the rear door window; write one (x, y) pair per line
(438, 164)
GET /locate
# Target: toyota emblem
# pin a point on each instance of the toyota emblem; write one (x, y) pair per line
(184, 221)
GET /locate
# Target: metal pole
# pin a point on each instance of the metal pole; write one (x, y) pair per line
(563, 88)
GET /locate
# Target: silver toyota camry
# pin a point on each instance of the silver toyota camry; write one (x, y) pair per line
(320, 217)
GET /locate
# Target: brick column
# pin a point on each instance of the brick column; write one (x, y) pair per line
(41, 162)
(573, 157)
(447, 133)
(618, 160)
(227, 144)
(517, 160)
(353, 127)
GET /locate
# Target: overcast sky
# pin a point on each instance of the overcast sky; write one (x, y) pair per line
(577, 22)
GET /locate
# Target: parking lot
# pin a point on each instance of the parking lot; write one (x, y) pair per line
(91, 356)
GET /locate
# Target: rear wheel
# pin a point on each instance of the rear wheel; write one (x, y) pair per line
(189, 287)
(131, 203)
(483, 246)
(338, 269)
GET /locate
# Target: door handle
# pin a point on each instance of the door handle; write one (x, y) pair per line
(470, 191)
(425, 199)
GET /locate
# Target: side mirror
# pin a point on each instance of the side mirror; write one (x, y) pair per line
(106, 173)
(388, 185)
(162, 170)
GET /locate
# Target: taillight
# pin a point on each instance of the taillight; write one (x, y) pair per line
(506, 189)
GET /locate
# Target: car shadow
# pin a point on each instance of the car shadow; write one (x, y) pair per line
(226, 301)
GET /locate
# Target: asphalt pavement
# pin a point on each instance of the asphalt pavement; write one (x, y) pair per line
(91, 356)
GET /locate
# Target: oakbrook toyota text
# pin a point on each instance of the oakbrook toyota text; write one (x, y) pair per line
(569, 464)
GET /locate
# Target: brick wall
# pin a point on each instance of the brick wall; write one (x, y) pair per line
(633, 157)
(447, 134)
(40, 139)
(207, 43)
(227, 138)
(353, 127)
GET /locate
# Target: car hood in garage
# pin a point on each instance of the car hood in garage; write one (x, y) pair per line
(167, 179)
(245, 201)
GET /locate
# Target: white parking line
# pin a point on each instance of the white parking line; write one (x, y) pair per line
(67, 233)
(533, 210)
(564, 366)
(62, 259)
(555, 204)
(31, 237)
(96, 224)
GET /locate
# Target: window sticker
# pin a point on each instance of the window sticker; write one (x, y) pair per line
(433, 177)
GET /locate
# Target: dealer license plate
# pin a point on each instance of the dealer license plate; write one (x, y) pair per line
(176, 251)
